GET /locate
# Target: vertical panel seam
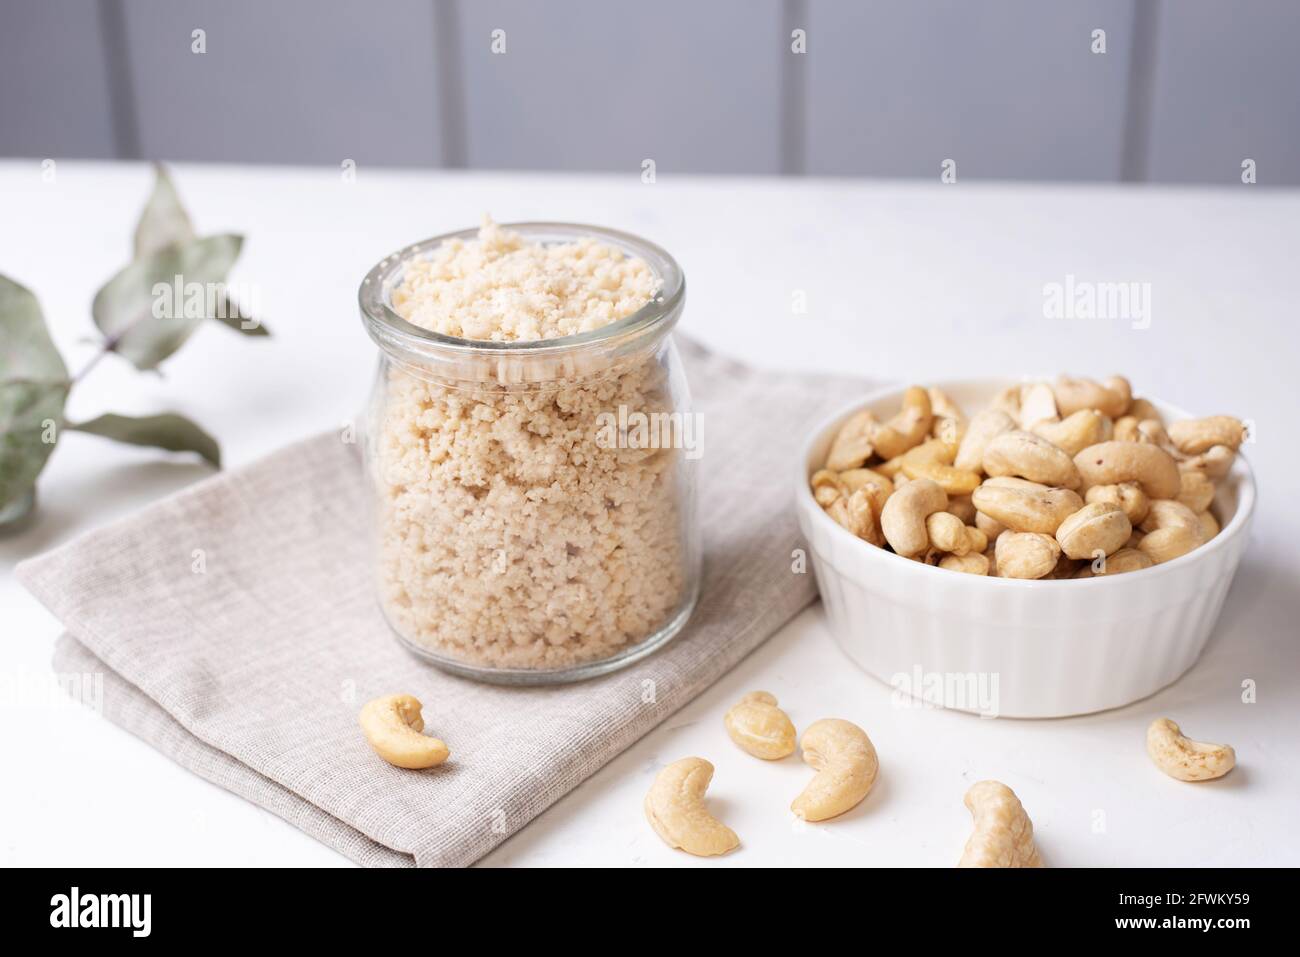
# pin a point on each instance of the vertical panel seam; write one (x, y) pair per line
(794, 91)
(121, 91)
(450, 73)
(1135, 150)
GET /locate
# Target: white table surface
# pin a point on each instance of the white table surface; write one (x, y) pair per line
(902, 280)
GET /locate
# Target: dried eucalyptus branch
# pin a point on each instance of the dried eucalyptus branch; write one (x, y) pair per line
(148, 310)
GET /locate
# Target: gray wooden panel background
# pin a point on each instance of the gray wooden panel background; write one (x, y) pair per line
(1006, 90)
(1227, 88)
(1009, 89)
(590, 84)
(287, 81)
(54, 97)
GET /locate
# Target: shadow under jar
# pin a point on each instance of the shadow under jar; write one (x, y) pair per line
(532, 502)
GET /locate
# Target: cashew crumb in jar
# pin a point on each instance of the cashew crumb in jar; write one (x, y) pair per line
(518, 526)
(501, 287)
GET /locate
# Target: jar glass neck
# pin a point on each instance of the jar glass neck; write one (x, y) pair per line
(520, 363)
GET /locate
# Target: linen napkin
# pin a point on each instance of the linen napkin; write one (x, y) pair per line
(236, 630)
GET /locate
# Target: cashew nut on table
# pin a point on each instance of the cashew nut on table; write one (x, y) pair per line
(393, 725)
(1004, 835)
(1180, 757)
(759, 727)
(846, 765)
(675, 808)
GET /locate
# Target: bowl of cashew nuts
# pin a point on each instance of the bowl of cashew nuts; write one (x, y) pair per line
(1064, 537)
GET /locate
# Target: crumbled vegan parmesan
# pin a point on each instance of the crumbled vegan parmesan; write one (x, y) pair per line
(509, 537)
(502, 287)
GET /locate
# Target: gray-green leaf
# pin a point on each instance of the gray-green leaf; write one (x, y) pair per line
(234, 316)
(164, 221)
(151, 307)
(169, 431)
(33, 389)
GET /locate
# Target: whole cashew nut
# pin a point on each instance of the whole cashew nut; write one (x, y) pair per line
(1182, 758)
(906, 429)
(1152, 432)
(759, 727)
(846, 765)
(1008, 401)
(861, 514)
(852, 445)
(1074, 433)
(1166, 544)
(1170, 513)
(674, 806)
(1197, 491)
(951, 479)
(903, 517)
(1194, 436)
(949, 421)
(982, 430)
(1127, 495)
(1100, 527)
(826, 487)
(1031, 457)
(1215, 462)
(1037, 404)
(1124, 430)
(1111, 399)
(1124, 560)
(1011, 481)
(838, 510)
(942, 404)
(854, 479)
(1025, 554)
(971, 564)
(989, 525)
(1120, 386)
(1143, 409)
(927, 452)
(950, 534)
(1110, 463)
(1004, 835)
(1025, 509)
(392, 724)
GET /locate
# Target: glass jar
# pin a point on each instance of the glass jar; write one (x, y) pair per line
(533, 502)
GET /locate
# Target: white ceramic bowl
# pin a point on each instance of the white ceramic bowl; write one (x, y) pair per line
(1024, 649)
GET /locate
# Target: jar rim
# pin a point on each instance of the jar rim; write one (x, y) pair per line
(391, 332)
